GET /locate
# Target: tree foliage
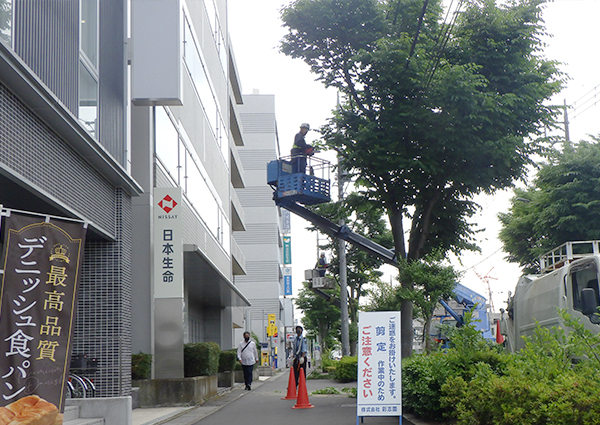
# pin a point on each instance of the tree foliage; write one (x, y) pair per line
(365, 219)
(320, 316)
(562, 204)
(432, 280)
(432, 112)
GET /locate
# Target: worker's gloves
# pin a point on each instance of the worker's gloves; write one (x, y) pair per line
(301, 361)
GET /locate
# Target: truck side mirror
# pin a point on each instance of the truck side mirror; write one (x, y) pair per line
(589, 301)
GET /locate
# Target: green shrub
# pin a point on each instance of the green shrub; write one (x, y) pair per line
(346, 370)
(201, 359)
(552, 380)
(141, 366)
(227, 360)
(422, 380)
(423, 376)
(522, 399)
(327, 362)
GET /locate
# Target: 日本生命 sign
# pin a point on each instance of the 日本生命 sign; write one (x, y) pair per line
(42, 268)
(379, 368)
(168, 243)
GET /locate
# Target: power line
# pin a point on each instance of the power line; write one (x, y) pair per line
(592, 96)
(444, 36)
(593, 89)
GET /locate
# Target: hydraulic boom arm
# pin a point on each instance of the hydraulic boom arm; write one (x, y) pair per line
(341, 232)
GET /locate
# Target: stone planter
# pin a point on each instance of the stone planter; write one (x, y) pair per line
(176, 392)
(239, 375)
(226, 379)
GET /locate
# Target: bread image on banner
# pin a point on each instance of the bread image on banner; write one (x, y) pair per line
(30, 410)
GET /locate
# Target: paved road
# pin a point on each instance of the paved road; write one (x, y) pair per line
(263, 406)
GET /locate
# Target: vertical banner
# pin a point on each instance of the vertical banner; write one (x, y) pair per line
(42, 268)
(287, 250)
(287, 281)
(286, 222)
(379, 368)
(168, 243)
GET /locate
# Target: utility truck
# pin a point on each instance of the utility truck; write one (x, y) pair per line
(568, 280)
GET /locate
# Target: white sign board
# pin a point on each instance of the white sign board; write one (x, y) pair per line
(168, 243)
(379, 367)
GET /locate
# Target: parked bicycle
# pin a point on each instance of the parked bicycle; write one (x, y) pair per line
(79, 385)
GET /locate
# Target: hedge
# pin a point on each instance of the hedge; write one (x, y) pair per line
(141, 366)
(201, 359)
(227, 360)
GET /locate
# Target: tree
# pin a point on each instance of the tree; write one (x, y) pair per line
(562, 204)
(320, 315)
(365, 219)
(432, 280)
(432, 113)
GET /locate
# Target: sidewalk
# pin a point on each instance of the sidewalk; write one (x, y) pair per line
(264, 405)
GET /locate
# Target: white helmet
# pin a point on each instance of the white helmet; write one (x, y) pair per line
(305, 125)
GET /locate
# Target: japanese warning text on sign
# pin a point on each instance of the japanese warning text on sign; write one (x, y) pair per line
(379, 377)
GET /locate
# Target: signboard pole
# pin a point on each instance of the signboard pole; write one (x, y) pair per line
(169, 305)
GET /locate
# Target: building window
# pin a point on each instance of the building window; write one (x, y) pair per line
(167, 144)
(6, 21)
(88, 65)
(88, 99)
(89, 31)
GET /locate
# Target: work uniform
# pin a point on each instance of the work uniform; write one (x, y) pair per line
(300, 349)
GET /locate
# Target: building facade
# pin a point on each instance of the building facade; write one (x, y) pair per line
(185, 137)
(64, 151)
(99, 112)
(262, 242)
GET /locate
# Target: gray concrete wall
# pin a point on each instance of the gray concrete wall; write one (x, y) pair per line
(114, 410)
(176, 392)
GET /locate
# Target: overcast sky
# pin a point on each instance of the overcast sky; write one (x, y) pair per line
(255, 30)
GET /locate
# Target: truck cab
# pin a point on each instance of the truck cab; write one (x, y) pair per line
(568, 280)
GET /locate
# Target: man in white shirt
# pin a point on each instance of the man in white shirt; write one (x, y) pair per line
(248, 356)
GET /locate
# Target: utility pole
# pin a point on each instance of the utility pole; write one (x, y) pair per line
(343, 272)
(566, 122)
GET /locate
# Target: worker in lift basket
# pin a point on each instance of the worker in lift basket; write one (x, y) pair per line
(300, 150)
(322, 265)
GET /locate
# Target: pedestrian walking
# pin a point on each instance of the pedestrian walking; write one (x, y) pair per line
(248, 356)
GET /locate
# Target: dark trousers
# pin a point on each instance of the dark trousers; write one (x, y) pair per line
(299, 163)
(248, 374)
(297, 367)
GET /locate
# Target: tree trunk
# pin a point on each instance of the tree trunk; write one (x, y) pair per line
(427, 334)
(406, 306)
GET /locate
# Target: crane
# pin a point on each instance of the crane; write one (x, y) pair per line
(486, 279)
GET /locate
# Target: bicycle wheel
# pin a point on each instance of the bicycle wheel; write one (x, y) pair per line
(91, 388)
(70, 390)
(79, 386)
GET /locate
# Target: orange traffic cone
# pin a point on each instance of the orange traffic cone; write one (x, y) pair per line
(291, 391)
(302, 402)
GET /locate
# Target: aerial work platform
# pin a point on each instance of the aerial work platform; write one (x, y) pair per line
(293, 190)
(308, 188)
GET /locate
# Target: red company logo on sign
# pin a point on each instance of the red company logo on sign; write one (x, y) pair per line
(167, 204)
